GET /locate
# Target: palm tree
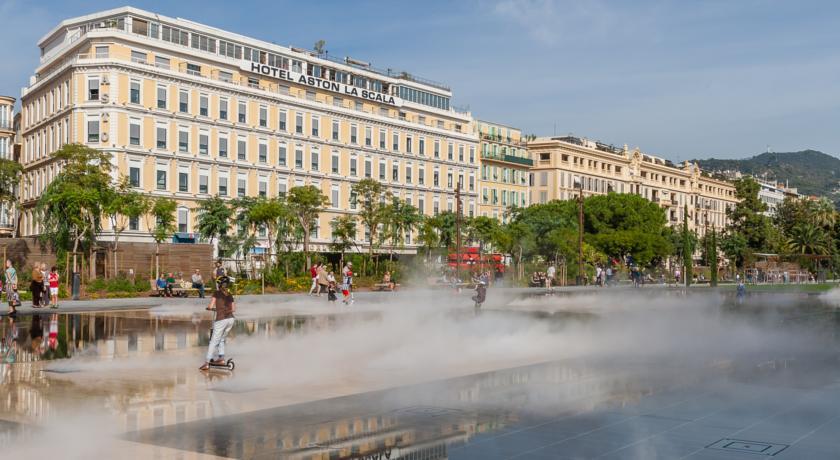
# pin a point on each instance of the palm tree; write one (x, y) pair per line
(823, 213)
(808, 239)
(213, 220)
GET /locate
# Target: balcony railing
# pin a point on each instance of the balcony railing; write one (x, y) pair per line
(509, 159)
(502, 140)
(5, 125)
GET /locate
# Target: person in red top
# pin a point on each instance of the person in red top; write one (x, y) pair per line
(52, 278)
(313, 273)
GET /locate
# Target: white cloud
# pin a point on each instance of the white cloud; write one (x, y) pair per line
(552, 22)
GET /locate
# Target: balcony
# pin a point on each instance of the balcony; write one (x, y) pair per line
(502, 140)
(6, 125)
(509, 159)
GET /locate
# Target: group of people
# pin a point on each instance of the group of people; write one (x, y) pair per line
(324, 281)
(166, 283)
(43, 285)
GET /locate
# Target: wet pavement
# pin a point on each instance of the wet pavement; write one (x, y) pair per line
(548, 377)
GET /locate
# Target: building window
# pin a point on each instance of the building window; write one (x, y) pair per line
(183, 141)
(461, 153)
(437, 149)
(422, 149)
(162, 62)
(281, 155)
(421, 176)
(396, 142)
(203, 105)
(223, 186)
(101, 52)
(314, 123)
(134, 223)
(335, 164)
(183, 220)
(241, 149)
(242, 112)
(161, 137)
(93, 89)
(353, 167)
(368, 167)
(262, 190)
(368, 136)
(183, 102)
(183, 182)
(223, 147)
(408, 178)
(313, 160)
(93, 130)
(282, 123)
(134, 92)
(407, 144)
(299, 123)
(134, 176)
(161, 179)
(395, 172)
(436, 179)
(382, 139)
(134, 132)
(203, 143)
(223, 109)
(240, 187)
(299, 158)
(354, 134)
(203, 184)
(161, 97)
(450, 152)
(263, 153)
(335, 130)
(334, 198)
(264, 117)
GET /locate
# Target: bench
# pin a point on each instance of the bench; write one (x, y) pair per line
(183, 289)
(386, 287)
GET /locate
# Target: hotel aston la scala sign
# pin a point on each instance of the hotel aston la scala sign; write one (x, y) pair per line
(320, 83)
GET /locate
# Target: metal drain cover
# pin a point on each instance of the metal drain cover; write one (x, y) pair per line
(750, 447)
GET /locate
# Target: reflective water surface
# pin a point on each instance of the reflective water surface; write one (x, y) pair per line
(607, 376)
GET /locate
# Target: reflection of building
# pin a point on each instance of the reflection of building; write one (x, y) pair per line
(7, 143)
(189, 111)
(503, 179)
(563, 164)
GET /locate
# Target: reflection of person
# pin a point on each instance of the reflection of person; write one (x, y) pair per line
(52, 341)
(36, 333)
(224, 305)
(198, 283)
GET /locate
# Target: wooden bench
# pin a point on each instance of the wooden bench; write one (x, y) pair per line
(183, 289)
(386, 287)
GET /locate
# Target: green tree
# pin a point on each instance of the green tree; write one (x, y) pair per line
(306, 203)
(343, 234)
(483, 229)
(71, 208)
(11, 173)
(445, 225)
(688, 249)
(401, 220)
(371, 198)
(213, 221)
(428, 237)
(713, 258)
(122, 205)
(517, 239)
(747, 216)
(267, 213)
(162, 213)
(626, 224)
(807, 238)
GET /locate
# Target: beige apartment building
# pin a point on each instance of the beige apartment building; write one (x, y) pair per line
(505, 162)
(563, 164)
(7, 148)
(189, 111)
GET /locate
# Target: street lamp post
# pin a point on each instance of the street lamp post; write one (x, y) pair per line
(581, 276)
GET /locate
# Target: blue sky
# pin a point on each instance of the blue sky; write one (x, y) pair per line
(679, 79)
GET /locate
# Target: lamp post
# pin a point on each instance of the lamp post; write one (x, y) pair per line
(581, 276)
(458, 229)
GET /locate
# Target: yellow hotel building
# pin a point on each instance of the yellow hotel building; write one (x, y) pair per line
(189, 111)
(503, 180)
(563, 164)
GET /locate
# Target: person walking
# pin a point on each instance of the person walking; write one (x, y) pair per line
(224, 305)
(323, 281)
(219, 271)
(198, 283)
(53, 283)
(549, 276)
(313, 273)
(36, 285)
(11, 288)
(347, 283)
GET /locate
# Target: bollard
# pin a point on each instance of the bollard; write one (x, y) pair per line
(77, 281)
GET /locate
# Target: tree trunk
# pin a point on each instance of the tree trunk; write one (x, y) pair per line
(306, 247)
(157, 259)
